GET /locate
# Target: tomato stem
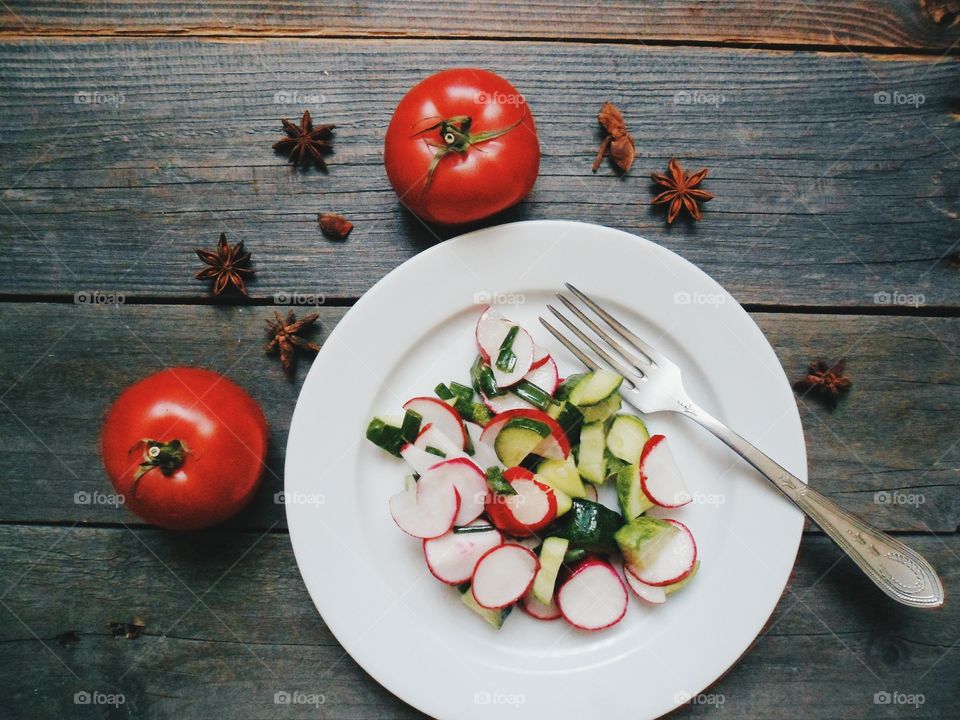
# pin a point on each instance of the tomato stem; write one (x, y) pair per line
(168, 457)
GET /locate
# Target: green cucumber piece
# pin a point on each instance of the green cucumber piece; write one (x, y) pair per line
(518, 438)
(385, 435)
(626, 438)
(641, 539)
(494, 617)
(590, 526)
(575, 555)
(561, 475)
(602, 411)
(670, 589)
(596, 387)
(533, 394)
(412, 420)
(569, 418)
(551, 558)
(613, 465)
(633, 501)
(498, 483)
(590, 461)
(567, 386)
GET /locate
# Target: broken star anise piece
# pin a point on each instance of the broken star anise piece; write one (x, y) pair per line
(681, 190)
(335, 227)
(228, 264)
(285, 338)
(306, 143)
(826, 382)
(617, 144)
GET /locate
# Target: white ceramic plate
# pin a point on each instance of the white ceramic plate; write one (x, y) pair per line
(414, 329)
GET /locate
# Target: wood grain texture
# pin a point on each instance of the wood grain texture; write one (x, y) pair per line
(924, 24)
(894, 435)
(229, 623)
(823, 196)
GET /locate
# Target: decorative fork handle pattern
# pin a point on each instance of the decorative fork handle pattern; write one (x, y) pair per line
(900, 572)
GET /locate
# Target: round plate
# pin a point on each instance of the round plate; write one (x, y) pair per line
(414, 329)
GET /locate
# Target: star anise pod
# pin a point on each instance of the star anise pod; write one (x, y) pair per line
(285, 338)
(618, 143)
(335, 227)
(305, 143)
(228, 265)
(682, 191)
(826, 382)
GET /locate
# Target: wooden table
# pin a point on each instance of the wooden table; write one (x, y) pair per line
(132, 133)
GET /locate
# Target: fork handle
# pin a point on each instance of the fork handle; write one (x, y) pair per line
(900, 572)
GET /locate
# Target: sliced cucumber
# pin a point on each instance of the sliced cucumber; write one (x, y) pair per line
(567, 386)
(641, 539)
(633, 501)
(569, 418)
(561, 475)
(596, 387)
(518, 438)
(564, 501)
(494, 617)
(590, 461)
(602, 411)
(551, 558)
(385, 435)
(613, 465)
(626, 438)
(590, 526)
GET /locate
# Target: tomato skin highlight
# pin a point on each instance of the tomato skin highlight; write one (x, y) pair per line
(225, 433)
(487, 177)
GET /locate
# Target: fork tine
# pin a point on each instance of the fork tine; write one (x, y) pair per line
(637, 362)
(584, 358)
(626, 334)
(616, 364)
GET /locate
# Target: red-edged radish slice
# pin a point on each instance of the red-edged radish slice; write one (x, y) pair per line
(428, 510)
(532, 508)
(471, 484)
(419, 459)
(489, 331)
(591, 491)
(537, 609)
(503, 575)
(593, 597)
(673, 562)
(430, 437)
(544, 377)
(555, 445)
(439, 414)
(452, 557)
(483, 454)
(649, 593)
(659, 475)
(540, 356)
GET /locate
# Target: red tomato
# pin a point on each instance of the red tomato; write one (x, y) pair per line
(185, 447)
(461, 146)
(503, 509)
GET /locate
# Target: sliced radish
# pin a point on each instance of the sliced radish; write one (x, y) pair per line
(673, 562)
(427, 511)
(439, 414)
(492, 330)
(430, 437)
(649, 593)
(556, 445)
(544, 377)
(419, 459)
(503, 575)
(537, 609)
(483, 454)
(659, 475)
(489, 331)
(540, 356)
(593, 597)
(532, 508)
(471, 485)
(453, 556)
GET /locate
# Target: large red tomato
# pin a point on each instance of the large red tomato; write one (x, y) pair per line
(185, 447)
(461, 146)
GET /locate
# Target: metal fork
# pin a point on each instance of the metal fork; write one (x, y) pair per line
(652, 383)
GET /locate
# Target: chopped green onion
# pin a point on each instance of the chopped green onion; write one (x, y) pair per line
(435, 451)
(465, 529)
(411, 425)
(498, 483)
(533, 394)
(443, 392)
(483, 380)
(507, 359)
(386, 436)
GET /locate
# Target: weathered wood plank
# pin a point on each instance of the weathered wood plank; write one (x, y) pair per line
(64, 364)
(823, 196)
(839, 23)
(832, 644)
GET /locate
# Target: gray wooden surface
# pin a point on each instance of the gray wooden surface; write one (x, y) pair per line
(132, 133)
